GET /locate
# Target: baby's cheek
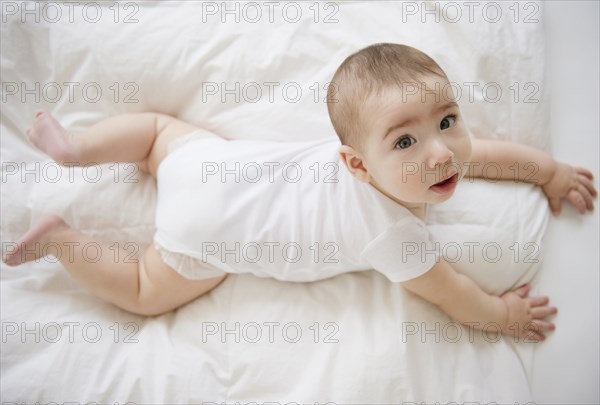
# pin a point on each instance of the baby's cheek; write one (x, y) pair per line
(409, 189)
(464, 147)
(415, 187)
(468, 150)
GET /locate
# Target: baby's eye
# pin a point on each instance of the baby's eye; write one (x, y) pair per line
(405, 142)
(448, 121)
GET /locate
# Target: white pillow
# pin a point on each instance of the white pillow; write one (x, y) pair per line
(492, 232)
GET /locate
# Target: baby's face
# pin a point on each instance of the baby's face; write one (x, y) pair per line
(416, 140)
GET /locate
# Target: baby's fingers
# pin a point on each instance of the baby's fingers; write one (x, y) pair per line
(542, 312)
(577, 199)
(589, 186)
(585, 172)
(555, 205)
(537, 301)
(542, 326)
(589, 203)
(534, 330)
(534, 335)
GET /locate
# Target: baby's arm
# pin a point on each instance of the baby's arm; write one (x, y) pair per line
(461, 298)
(502, 160)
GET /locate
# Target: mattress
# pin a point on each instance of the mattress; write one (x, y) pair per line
(247, 70)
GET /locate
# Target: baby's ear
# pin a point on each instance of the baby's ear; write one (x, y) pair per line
(354, 163)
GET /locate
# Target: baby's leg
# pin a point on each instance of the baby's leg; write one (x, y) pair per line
(123, 138)
(145, 286)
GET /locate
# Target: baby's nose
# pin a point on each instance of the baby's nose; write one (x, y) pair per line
(439, 155)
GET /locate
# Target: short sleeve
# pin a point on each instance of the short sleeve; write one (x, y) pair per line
(403, 251)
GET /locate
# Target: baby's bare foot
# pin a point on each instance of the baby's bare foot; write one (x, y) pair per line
(50, 137)
(32, 245)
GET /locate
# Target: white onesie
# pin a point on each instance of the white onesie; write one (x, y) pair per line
(287, 210)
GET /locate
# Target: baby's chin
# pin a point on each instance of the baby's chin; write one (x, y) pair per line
(440, 199)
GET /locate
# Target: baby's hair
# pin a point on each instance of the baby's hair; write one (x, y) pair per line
(366, 73)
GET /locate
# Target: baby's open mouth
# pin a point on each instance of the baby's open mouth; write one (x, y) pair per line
(446, 185)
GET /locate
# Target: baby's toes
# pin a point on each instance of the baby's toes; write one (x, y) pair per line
(29, 134)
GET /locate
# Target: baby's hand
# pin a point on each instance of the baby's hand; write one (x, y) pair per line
(572, 183)
(526, 314)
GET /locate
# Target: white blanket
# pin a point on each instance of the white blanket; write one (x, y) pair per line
(355, 338)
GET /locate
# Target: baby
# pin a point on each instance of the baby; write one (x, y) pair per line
(403, 144)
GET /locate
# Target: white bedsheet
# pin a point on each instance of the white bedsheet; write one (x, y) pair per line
(363, 339)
